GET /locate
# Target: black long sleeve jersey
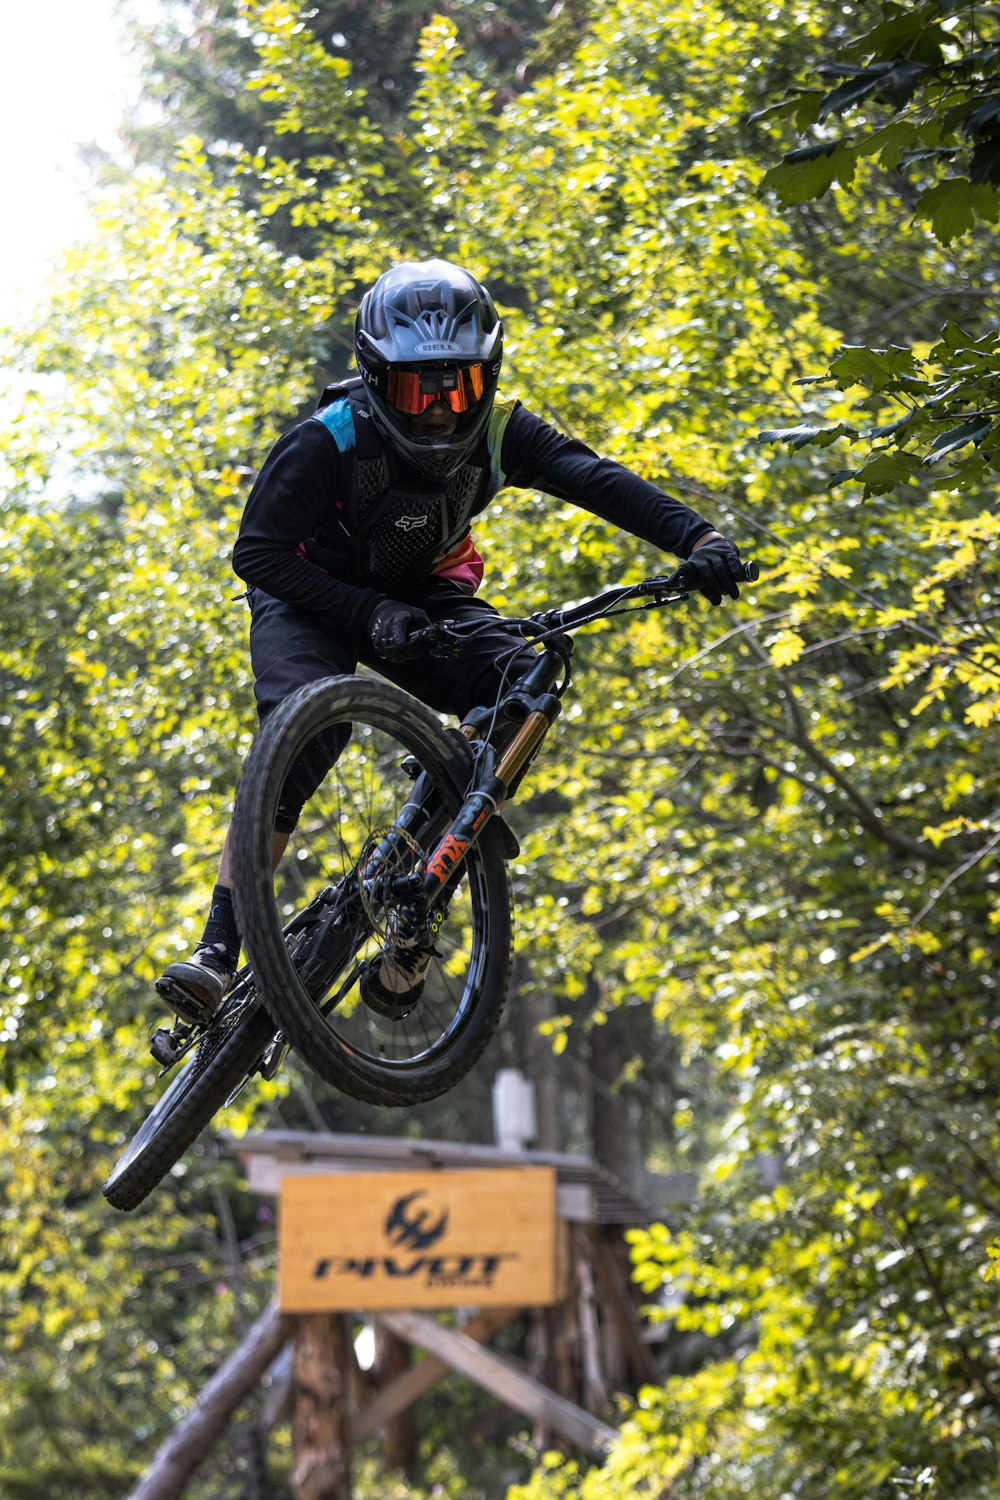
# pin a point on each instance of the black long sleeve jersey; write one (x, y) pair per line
(293, 543)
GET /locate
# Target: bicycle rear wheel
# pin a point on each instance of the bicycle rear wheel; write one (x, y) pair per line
(226, 1054)
(363, 1052)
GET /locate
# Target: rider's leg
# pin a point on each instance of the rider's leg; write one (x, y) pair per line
(208, 973)
(287, 651)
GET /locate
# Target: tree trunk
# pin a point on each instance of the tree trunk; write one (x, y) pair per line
(321, 1458)
(532, 1005)
(394, 1358)
(614, 1116)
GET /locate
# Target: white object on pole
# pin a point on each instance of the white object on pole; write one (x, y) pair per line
(515, 1123)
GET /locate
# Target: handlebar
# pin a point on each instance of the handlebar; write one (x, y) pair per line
(660, 589)
(446, 637)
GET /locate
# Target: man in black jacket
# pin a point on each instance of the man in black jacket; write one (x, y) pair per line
(357, 533)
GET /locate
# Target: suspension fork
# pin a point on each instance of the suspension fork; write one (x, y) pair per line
(423, 814)
(498, 775)
(489, 795)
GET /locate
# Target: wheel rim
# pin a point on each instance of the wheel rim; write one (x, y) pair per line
(356, 805)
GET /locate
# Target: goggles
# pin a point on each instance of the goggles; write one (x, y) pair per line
(413, 391)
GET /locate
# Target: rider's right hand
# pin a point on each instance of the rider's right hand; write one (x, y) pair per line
(714, 568)
(392, 625)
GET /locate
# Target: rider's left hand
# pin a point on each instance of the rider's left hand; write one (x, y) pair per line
(714, 567)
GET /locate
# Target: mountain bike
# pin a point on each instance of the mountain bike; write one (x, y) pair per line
(404, 842)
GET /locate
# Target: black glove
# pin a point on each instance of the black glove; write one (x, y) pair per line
(391, 627)
(714, 569)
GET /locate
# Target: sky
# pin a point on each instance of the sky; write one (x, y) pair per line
(67, 78)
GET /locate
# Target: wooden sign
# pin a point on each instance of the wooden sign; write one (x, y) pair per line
(387, 1240)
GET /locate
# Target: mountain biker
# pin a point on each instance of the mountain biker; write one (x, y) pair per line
(356, 533)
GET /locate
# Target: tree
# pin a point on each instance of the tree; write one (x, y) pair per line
(920, 90)
(768, 832)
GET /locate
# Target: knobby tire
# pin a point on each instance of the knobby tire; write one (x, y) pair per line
(387, 1063)
(196, 1092)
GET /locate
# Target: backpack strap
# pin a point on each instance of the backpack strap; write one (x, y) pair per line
(338, 390)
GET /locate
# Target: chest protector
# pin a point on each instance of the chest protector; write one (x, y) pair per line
(399, 530)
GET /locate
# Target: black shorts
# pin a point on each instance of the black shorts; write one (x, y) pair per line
(289, 649)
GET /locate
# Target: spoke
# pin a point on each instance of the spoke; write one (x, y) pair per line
(431, 1009)
(358, 802)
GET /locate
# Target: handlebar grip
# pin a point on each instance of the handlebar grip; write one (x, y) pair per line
(748, 572)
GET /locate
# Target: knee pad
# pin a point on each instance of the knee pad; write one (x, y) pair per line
(307, 773)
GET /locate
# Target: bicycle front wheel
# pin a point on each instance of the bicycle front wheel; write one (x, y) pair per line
(373, 1056)
(226, 1055)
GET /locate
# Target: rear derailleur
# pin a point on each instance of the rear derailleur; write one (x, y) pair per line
(168, 1045)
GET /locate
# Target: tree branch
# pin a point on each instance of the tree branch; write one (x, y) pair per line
(191, 1440)
(868, 814)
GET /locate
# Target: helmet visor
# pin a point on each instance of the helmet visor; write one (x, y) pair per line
(413, 391)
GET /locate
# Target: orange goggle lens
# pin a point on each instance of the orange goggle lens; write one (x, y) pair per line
(413, 391)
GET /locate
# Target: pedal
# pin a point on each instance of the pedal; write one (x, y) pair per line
(273, 1057)
(169, 1046)
(187, 1007)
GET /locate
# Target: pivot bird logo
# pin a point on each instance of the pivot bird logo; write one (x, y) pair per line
(412, 1229)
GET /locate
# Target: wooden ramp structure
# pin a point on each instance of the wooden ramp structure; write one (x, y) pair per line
(431, 1248)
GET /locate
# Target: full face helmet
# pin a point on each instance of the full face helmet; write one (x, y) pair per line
(426, 332)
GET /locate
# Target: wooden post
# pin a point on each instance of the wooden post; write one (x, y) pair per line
(393, 1361)
(592, 1374)
(321, 1457)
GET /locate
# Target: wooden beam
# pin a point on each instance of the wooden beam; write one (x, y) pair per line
(620, 1302)
(503, 1380)
(409, 1386)
(191, 1440)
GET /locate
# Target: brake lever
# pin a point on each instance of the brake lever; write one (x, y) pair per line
(440, 639)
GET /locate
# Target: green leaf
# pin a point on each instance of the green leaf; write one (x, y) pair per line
(891, 429)
(900, 82)
(809, 172)
(888, 143)
(985, 118)
(852, 91)
(877, 368)
(986, 202)
(984, 163)
(806, 433)
(972, 431)
(913, 30)
(779, 111)
(947, 208)
(886, 470)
